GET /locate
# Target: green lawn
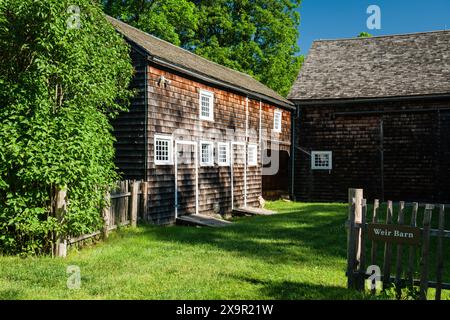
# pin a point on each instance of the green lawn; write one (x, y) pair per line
(297, 254)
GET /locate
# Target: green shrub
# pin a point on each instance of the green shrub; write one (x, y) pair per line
(60, 83)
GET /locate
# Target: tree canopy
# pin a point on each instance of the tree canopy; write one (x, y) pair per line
(64, 74)
(256, 37)
(365, 35)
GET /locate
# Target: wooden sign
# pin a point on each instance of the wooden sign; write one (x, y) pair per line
(398, 234)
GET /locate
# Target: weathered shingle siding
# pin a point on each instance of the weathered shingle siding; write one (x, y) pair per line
(129, 127)
(177, 107)
(416, 151)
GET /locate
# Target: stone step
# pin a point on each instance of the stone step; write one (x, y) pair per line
(202, 220)
(253, 212)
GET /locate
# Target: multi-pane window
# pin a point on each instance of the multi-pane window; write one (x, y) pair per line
(206, 105)
(277, 117)
(206, 154)
(163, 150)
(223, 154)
(321, 160)
(252, 155)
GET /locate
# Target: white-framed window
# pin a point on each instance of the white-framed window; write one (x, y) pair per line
(206, 153)
(206, 105)
(321, 160)
(223, 154)
(277, 117)
(252, 155)
(163, 149)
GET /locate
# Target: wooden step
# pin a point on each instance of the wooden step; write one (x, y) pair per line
(253, 212)
(202, 220)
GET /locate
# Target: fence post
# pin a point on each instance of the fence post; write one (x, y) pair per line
(134, 203)
(60, 210)
(106, 216)
(387, 250)
(144, 206)
(361, 257)
(440, 254)
(399, 268)
(412, 249)
(353, 240)
(425, 251)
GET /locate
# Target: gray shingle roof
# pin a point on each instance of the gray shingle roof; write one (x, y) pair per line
(189, 61)
(388, 66)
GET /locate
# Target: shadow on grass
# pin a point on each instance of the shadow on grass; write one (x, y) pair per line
(10, 294)
(290, 237)
(290, 290)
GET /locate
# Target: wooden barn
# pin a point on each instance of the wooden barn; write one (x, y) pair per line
(199, 133)
(374, 113)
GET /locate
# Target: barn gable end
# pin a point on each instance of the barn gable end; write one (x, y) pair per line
(170, 82)
(382, 106)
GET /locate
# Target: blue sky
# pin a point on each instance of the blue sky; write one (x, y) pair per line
(333, 19)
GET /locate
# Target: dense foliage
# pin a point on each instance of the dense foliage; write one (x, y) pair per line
(256, 37)
(63, 74)
(365, 34)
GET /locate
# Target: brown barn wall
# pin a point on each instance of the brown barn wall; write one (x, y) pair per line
(416, 151)
(129, 127)
(177, 107)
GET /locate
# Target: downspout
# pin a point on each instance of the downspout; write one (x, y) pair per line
(246, 152)
(294, 117)
(260, 146)
(146, 123)
(260, 124)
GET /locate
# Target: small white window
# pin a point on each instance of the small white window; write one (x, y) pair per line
(277, 117)
(252, 155)
(163, 150)
(223, 154)
(321, 160)
(206, 105)
(206, 153)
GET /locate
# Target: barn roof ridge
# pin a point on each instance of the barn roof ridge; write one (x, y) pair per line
(198, 64)
(394, 35)
(405, 65)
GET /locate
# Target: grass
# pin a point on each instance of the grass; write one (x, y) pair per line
(297, 254)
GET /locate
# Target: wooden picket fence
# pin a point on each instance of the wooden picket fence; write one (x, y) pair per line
(128, 202)
(413, 244)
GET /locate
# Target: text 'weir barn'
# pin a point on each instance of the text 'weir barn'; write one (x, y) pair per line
(374, 113)
(199, 132)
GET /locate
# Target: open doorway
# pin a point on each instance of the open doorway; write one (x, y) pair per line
(276, 186)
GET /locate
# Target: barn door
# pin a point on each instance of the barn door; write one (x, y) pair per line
(186, 178)
(238, 167)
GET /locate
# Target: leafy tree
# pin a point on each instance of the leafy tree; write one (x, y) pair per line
(64, 74)
(172, 20)
(258, 37)
(365, 35)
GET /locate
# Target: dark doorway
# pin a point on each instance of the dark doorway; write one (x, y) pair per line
(276, 186)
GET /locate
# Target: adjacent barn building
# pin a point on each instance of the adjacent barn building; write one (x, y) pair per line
(374, 113)
(198, 132)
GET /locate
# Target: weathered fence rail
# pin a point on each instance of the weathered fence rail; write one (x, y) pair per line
(405, 238)
(128, 202)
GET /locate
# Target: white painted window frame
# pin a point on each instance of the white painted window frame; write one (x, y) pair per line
(313, 158)
(255, 148)
(227, 146)
(210, 95)
(168, 138)
(210, 163)
(277, 126)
